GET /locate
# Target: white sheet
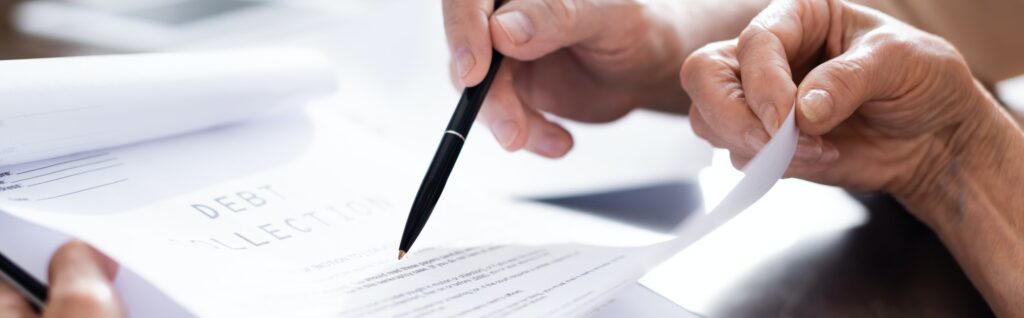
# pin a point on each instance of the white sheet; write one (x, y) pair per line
(301, 216)
(247, 221)
(59, 106)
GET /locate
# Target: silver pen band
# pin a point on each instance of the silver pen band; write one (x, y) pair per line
(456, 134)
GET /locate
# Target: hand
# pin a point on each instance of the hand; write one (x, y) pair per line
(876, 99)
(80, 286)
(587, 60)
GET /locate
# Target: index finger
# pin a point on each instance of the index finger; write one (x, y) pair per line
(786, 34)
(469, 38)
(710, 77)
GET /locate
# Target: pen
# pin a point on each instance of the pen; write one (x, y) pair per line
(33, 290)
(447, 153)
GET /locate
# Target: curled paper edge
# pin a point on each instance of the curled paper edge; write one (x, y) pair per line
(760, 175)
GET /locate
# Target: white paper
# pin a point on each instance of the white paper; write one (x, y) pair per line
(639, 301)
(760, 174)
(294, 217)
(1011, 91)
(59, 106)
(704, 278)
(247, 221)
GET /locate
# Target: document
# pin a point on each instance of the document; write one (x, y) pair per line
(299, 215)
(246, 221)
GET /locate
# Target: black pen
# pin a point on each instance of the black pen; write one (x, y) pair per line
(33, 290)
(447, 154)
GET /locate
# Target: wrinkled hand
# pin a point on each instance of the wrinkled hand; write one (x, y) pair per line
(876, 99)
(589, 60)
(80, 286)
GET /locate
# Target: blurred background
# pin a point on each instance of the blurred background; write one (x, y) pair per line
(805, 250)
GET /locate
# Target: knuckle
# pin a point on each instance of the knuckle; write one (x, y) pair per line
(917, 54)
(698, 58)
(752, 32)
(708, 61)
(757, 35)
(893, 44)
(849, 66)
(700, 128)
(898, 42)
(944, 52)
(693, 66)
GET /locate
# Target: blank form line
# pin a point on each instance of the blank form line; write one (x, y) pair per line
(66, 169)
(77, 174)
(83, 190)
(61, 149)
(52, 112)
(66, 138)
(65, 162)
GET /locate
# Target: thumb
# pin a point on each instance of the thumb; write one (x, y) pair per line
(529, 29)
(834, 90)
(80, 283)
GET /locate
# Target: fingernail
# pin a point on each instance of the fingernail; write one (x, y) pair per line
(517, 26)
(808, 149)
(770, 118)
(816, 105)
(550, 145)
(506, 133)
(464, 61)
(756, 139)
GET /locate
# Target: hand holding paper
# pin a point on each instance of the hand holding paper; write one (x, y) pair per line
(884, 107)
(859, 110)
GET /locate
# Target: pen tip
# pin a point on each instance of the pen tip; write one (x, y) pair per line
(401, 254)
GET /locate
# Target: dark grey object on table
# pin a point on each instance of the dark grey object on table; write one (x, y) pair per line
(890, 266)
